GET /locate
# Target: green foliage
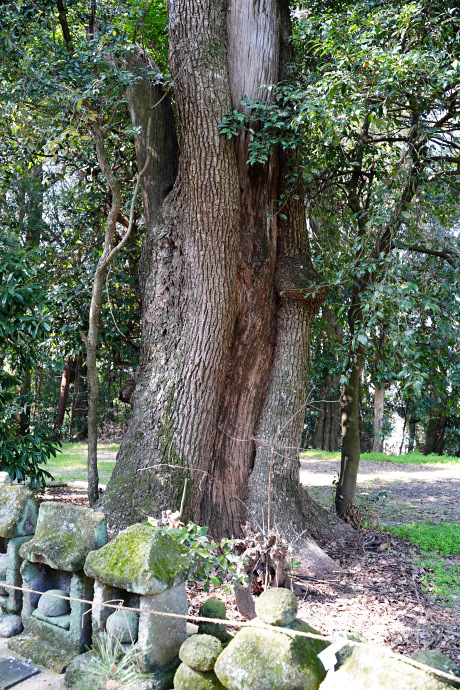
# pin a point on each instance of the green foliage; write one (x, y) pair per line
(443, 539)
(217, 562)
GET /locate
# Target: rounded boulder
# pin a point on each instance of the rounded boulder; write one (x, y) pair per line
(123, 626)
(277, 606)
(187, 678)
(51, 606)
(200, 652)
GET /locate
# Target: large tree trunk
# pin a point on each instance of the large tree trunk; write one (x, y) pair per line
(224, 352)
(379, 408)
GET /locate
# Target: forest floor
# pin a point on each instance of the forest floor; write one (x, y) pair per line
(380, 592)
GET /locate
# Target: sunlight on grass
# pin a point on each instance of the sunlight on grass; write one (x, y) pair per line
(437, 543)
(414, 458)
(70, 464)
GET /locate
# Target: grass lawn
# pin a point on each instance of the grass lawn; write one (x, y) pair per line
(414, 458)
(70, 464)
(440, 548)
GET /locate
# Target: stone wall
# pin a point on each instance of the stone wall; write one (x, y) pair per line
(64, 557)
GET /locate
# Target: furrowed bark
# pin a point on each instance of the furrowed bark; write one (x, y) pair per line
(345, 492)
(217, 335)
(274, 495)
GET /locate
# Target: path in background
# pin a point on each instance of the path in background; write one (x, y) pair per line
(414, 493)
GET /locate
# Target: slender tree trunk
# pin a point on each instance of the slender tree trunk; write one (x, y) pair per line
(24, 415)
(434, 442)
(94, 317)
(63, 393)
(351, 447)
(401, 448)
(379, 409)
(228, 300)
(412, 430)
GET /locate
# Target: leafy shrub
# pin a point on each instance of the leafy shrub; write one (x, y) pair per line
(216, 561)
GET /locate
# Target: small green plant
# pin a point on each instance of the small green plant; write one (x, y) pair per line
(217, 564)
(112, 666)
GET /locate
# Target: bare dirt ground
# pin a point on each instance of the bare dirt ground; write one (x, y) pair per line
(376, 592)
(414, 493)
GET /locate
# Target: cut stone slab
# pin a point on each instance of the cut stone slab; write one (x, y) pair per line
(276, 606)
(44, 654)
(10, 625)
(187, 678)
(5, 478)
(266, 659)
(18, 511)
(64, 536)
(372, 669)
(141, 559)
(200, 652)
(13, 671)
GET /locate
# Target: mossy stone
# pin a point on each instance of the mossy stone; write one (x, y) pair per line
(214, 608)
(372, 669)
(65, 535)
(52, 606)
(431, 657)
(123, 626)
(266, 659)
(18, 511)
(277, 606)
(142, 559)
(200, 652)
(187, 678)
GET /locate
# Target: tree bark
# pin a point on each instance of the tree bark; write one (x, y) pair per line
(227, 300)
(328, 422)
(434, 441)
(412, 431)
(379, 409)
(351, 446)
(63, 393)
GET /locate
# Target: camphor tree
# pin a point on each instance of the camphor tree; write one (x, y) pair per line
(377, 109)
(229, 291)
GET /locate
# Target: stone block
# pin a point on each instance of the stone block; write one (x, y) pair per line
(372, 669)
(18, 511)
(11, 599)
(64, 536)
(142, 559)
(267, 659)
(159, 636)
(45, 640)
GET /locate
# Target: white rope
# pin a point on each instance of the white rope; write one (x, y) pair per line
(243, 624)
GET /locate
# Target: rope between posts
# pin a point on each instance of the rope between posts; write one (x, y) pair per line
(243, 624)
